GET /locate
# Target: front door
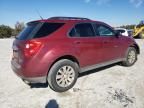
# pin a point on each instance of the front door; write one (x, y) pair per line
(87, 44)
(111, 48)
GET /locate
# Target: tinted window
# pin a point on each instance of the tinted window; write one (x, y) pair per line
(83, 30)
(27, 31)
(47, 28)
(38, 29)
(104, 30)
(72, 32)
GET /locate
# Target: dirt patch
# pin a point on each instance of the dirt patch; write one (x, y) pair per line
(119, 95)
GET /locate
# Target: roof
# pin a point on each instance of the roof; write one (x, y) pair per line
(65, 19)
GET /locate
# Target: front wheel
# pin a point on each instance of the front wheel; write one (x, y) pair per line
(131, 57)
(63, 75)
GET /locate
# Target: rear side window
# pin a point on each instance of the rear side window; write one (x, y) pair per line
(47, 28)
(38, 30)
(82, 30)
(72, 33)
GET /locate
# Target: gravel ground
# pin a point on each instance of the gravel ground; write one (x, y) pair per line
(110, 87)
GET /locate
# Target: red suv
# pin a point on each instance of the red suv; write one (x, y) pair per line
(57, 49)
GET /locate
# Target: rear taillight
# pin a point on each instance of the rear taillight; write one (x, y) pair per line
(31, 48)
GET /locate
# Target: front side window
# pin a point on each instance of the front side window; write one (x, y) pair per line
(104, 30)
(82, 30)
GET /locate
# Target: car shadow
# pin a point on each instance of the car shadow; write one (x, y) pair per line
(39, 85)
(97, 70)
(52, 104)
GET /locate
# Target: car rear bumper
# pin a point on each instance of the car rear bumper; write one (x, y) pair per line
(20, 73)
(34, 80)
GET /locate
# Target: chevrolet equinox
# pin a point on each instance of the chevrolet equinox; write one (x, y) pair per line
(58, 49)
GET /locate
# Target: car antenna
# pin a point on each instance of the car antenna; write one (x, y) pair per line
(39, 14)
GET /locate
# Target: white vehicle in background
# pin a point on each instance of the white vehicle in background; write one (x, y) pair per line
(124, 31)
(130, 32)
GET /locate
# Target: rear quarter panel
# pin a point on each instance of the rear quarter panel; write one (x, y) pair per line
(55, 49)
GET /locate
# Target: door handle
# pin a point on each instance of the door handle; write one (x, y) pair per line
(115, 46)
(105, 42)
(77, 42)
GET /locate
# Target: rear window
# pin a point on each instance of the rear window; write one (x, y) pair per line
(38, 30)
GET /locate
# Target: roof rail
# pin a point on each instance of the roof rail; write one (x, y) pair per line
(68, 18)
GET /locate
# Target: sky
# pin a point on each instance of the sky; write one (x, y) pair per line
(113, 12)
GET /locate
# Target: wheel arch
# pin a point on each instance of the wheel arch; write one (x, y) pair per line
(136, 47)
(69, 57)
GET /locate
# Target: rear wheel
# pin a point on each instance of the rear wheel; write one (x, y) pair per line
(131, 57)
(63, 75)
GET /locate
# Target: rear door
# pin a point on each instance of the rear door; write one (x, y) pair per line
(87, 44)
(111, 45)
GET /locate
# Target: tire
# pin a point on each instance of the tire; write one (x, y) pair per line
(63, 75)
(131, 57)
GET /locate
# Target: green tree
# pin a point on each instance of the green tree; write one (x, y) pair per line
(5, 31)
(128, 26)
